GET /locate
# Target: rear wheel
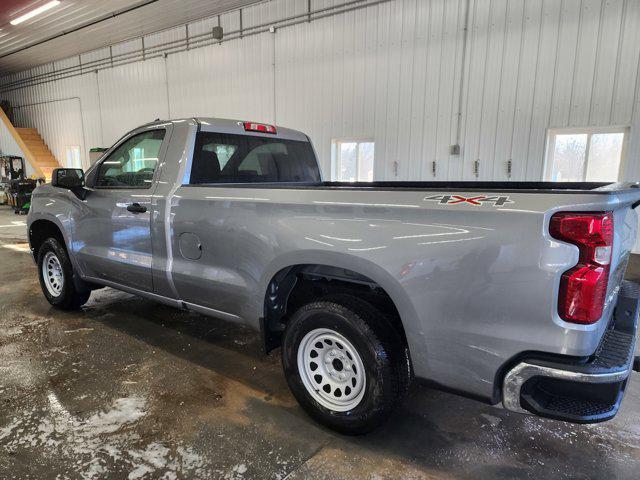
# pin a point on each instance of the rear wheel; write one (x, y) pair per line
(345, 363)
(56, 277)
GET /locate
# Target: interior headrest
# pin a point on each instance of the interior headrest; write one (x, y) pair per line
(207, 169)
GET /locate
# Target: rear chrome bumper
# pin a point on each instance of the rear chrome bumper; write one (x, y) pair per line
(581, 392)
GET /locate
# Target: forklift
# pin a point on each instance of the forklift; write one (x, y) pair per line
(16, 186)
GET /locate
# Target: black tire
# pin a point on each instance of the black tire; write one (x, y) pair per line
(69, 298)
(381, 349)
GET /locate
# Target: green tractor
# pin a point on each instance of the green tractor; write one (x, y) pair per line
(15, 185)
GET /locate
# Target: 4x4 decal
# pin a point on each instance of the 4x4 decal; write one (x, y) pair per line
(476, 201)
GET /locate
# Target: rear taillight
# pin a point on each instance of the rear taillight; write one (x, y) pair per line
(259, 127)
(583, 288)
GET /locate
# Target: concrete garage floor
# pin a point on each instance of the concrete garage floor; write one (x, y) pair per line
(130, 389)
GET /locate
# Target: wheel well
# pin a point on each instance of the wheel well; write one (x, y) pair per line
(39, 231)
(298, 285)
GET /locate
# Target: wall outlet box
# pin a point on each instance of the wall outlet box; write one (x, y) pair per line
(217, 33)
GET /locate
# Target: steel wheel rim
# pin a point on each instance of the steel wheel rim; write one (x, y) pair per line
(52, 274)
(331, 370)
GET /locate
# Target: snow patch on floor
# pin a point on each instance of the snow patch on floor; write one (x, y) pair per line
(100, 443)
(237, 472)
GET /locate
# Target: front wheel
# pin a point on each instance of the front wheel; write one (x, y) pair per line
(56, 277)
(345, 363)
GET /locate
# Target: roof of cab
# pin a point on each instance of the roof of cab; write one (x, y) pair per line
(226, 125)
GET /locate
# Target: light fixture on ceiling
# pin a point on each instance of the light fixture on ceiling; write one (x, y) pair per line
(35, 11)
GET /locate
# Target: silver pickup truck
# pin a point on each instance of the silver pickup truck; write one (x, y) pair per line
(511, 293)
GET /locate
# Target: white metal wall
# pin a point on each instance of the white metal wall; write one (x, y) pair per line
(390, 72)
(45, 117)
(8, 145)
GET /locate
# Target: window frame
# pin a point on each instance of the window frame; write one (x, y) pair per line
(336, 157)
(552, 133)
(123, 140)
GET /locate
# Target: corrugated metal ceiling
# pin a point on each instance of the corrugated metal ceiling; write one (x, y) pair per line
(77, 26)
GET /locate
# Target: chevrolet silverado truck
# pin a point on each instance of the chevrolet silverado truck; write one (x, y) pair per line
(508, 292)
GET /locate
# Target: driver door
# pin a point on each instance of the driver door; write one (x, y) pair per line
(112, 239)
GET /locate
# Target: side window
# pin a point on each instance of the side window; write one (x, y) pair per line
(231, 158)
(133, 163)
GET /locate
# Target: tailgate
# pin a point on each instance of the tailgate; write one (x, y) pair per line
(579, 293)
(625, 224)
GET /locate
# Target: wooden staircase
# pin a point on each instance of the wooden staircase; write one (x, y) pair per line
(43, 157)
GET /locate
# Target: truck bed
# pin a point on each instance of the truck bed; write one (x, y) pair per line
(603, 188)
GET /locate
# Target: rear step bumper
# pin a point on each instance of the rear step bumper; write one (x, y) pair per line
(580, 392)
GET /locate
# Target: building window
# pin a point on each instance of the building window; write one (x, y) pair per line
(73, 157)
(352, 160)
(585, 154)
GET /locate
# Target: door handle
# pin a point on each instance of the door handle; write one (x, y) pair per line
(136, 208)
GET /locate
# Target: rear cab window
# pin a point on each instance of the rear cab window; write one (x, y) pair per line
(230, 158)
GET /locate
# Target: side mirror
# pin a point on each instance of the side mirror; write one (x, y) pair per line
(70, 178)
(67, 178)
